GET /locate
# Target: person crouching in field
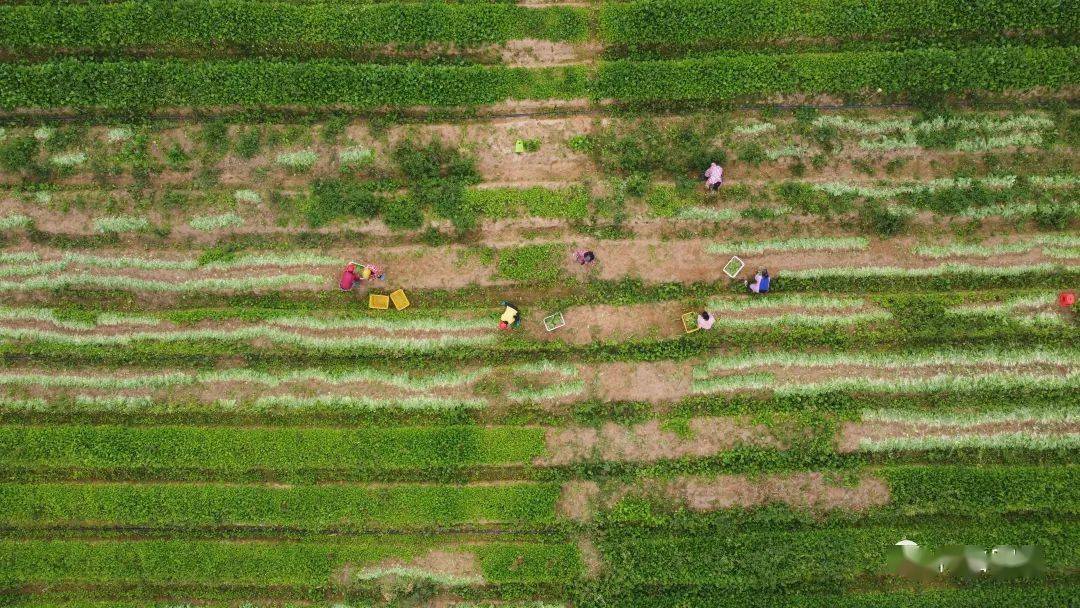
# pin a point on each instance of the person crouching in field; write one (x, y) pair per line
(510, 317)
(760, 283)
(713, 177)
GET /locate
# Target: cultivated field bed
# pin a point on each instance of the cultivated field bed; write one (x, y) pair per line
(192, 413)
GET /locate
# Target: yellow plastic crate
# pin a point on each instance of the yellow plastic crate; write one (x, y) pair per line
(379, 301)
(400, 300)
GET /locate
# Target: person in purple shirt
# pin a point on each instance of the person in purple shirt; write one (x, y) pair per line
(761, 282)
(705, 320)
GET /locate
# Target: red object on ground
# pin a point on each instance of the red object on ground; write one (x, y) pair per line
(1067, 298)
(348, 278)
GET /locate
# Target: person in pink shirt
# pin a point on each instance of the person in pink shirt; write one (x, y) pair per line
(705, 320)
(714, 177)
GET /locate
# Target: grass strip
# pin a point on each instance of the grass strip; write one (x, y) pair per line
(736, 23)
(916, 71)
(245, 25)
(124, 262)
(306, 565)
(1064, 241)
(148, 84)
(933, 384)
(1018, 440)
(239, 450)
(249, 334)
(403, 381)
(948, 356)
(313, 508)
(785, 301)
(798, 244)
(1064, 414)
(781, 560)
(1033, 594)
(112, 282)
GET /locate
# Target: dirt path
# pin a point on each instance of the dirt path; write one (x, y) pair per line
(532, 53)
(455, 266)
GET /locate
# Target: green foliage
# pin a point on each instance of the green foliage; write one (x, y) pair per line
(17, 153)
(310, 566)
(751, 23)
(883, 219)
(335, 198)
(403, 213)
(301, 28)
(922, 71)
(682, 148)
(214, 136)
(532, 263)
(238, 453)
(437, 176)
(248, 142)
(176, 157)
(752, 153)
(309, 507)
(777, 560)
(334, 128)
(569, 203)
(147, 84)
(1050, 216)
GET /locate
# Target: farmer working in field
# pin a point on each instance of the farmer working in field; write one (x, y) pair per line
(705, 320)
(510, 316)
(584, 257)
(714, 177)
(355, 273)
(761, 282)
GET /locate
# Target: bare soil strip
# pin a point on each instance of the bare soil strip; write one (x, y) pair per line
(533, 53)
(813, 491)
(649, 442)
(649, 260)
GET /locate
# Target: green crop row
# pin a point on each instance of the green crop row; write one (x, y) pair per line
(826, 558)
(249, 334)
(313, 508)
(134, 85)
(305, 565)
(208, 25)
(917, 71)
(1007, 593)
(246, 451)
(496, 203)
(831, 331)
(753, 22)
(957, 405)
(946, 490)
(915, 492)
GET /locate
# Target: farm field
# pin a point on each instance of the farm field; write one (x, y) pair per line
(193, 413)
